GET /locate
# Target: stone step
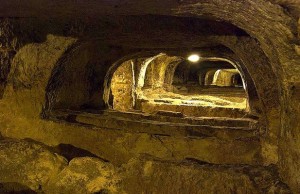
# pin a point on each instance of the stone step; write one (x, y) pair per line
(176, 117)
(137, 135)
(140, 124)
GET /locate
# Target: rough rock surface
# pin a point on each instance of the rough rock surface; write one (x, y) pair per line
(121, 87)
(190, 176)
(28, 163)
(28, 167)
(34, 60)
(85, 175)
(7, 46)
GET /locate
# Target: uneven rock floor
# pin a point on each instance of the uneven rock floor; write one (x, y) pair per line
(31, 167)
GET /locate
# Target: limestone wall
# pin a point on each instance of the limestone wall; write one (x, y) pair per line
(122, 87)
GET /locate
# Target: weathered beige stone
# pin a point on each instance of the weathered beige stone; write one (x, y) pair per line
(154, 176)
(122, 87)
(28, 163)
(85, 175)
(224, 77)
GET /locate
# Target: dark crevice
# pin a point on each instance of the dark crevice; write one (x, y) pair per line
(67, 150)
(193, 160)
(102, 191)
(70, 152)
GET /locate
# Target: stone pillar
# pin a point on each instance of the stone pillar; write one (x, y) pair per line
(121, 87)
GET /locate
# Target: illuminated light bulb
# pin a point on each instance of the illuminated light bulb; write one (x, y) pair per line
(194, 58)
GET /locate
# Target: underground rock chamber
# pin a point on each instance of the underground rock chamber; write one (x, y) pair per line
(149, 97)
(164, 83)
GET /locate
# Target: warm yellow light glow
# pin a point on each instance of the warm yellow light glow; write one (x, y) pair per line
(194, 58)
